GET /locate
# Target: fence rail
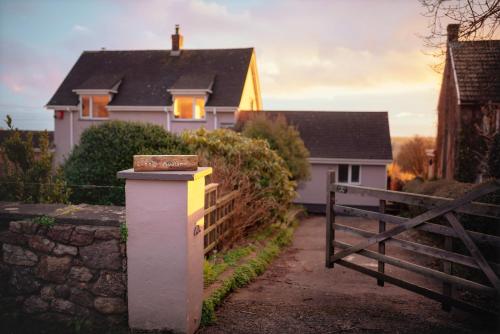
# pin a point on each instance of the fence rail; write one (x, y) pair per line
(390, 226)
(219, 217)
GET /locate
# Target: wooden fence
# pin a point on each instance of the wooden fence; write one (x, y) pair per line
(219, 217)
(389, 226)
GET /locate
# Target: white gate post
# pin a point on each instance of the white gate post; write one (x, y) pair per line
(164, 215)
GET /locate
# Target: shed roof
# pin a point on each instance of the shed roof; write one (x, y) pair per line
(342, 134)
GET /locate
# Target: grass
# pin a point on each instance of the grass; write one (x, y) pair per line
(44, 221)
(246, 272)
(213, 267)
(123, 232)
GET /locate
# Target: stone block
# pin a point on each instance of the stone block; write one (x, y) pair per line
(81, 297)
(8, 237)
(42, 230)
(48, 293)
(63, 306)
(82, 236)
(23, 226)
(16, 226)
(19, 256)
(39, 243)
(61, 249)
(61, 233)
(35, 304)
(62, 291)
(102, 255)
(109, 284)
(22, 280)
(54, 269)
(80, 274)
(106, 305)
(107, 233)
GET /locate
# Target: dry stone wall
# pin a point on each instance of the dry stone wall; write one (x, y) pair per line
(64, 272)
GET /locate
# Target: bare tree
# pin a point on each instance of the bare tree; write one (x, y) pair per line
(478, 19)
(412, 157)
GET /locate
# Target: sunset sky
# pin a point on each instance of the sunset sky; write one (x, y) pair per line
(311, 55)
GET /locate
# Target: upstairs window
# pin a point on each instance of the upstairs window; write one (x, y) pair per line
(349, 174)
(94, 107)
(188, 107)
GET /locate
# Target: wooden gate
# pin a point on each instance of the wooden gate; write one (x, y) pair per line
(219, 216)
(437, 207)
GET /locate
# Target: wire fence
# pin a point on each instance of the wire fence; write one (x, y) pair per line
(35, 192)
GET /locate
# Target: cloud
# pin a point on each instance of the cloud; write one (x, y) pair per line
(308, 52)
(81, 29)
(26, 70)
(404, 114)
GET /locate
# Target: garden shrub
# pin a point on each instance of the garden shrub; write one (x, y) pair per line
(282, 138)
(27, 176)
(250, 166)
(108, 148)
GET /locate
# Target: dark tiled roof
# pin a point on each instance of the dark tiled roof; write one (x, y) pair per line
(202, 81)
(4, 134)
(146, 75)
(341, 134)
(477, 66)
(100, 81)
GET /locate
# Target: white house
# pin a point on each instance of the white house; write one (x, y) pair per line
(356, 145)
(178, 89)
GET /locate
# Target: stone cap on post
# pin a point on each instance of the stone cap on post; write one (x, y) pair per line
(130, 174)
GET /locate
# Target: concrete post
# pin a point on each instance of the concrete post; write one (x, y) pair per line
(164, 215)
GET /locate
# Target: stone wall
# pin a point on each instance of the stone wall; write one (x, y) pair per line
(63, 272)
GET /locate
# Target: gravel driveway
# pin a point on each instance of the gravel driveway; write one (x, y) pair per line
(299, 295)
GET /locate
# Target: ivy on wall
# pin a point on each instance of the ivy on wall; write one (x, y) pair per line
(465, 166)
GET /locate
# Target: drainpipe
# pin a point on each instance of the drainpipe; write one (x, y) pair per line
(168, 118)
(215, 118)
(71, 140)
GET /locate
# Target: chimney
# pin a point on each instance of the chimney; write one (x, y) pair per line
(177, 41)
(453, 31)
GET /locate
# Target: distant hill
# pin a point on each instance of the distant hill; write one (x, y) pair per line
(397, 142)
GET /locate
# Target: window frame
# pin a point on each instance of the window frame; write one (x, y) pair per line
(193, 107)
(91, 108)
(349, 174)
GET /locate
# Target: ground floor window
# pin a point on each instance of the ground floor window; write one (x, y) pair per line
(349, 174)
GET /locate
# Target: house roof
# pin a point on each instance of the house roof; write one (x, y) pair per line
(477, 69)
(342, 134)
(100, 81)
(147, 75)
(4, 134)
(201, 81)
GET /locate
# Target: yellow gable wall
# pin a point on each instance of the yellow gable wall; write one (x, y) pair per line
(251, 89)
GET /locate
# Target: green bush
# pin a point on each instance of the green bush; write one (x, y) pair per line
(27, 176)
(108, 148)
(250, 166)
(282, 138)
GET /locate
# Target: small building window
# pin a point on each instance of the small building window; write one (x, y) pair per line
(188, 107)
(94, 107)
(343, 173)
(349, 174)
(354, 173)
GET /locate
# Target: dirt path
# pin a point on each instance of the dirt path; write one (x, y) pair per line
(299, 295)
